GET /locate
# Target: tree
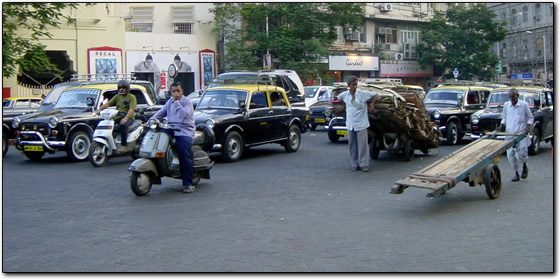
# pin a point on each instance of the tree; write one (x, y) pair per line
(298, 33)
(461, 37)
(22, 51)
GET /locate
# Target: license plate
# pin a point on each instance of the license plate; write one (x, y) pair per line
(342, 132)
(486, 131)
(320, 120)
(33, 148)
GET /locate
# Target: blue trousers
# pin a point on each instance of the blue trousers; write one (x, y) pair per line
(186, 164)
(123, 129)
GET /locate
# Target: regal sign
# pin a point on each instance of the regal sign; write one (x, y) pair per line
(353, 63)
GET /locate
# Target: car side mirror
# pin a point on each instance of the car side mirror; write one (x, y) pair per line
(242, 105)
(90, 101)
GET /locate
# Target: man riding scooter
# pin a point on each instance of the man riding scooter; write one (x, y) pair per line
(179, 111)
(126, 105)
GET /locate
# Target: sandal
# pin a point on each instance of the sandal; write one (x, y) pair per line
(189, 189)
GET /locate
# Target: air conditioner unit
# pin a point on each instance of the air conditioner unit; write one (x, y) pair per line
(386, 7)
(397, 56)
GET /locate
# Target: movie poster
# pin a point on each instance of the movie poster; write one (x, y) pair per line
(105, 62)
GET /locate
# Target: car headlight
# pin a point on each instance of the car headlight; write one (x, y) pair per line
(210, 123)
(475, 118)
(437, 114)
(15, 122)
(328, 111)
(53, 121)
(152, 123)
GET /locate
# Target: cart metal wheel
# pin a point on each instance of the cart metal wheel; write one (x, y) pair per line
(408, 150)
(493, 181)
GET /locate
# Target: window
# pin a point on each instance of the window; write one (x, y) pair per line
(513, 17)
(431, 5)
(525, 13)
(504, 50)
(386, 35)
(539, 47)
(504, 19)
(142, 19)
(514, 50)
(340, 34)
(183, 19)
(525, 50)
(258, 100)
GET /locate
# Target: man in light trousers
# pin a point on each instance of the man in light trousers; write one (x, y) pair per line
(357, 122)
(517, 117)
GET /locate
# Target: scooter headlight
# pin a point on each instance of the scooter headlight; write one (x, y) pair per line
(210, 123)
(165, 122)
(15, 122)
(152, 123)
(53, 121)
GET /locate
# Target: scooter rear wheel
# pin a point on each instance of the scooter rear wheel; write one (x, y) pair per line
(98, 154)
(140, 183)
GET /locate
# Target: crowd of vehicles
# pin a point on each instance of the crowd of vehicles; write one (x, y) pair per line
(239, 110)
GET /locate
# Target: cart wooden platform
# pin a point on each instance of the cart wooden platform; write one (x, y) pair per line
(475, 164)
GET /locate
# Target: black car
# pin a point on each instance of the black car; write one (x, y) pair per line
(69, 125)
(451, 107)
(540, 100)
(12, 107)
(242, 116)
(319, 112)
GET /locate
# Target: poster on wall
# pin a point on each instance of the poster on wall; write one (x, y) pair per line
(207, 66)
(105, 62)
(152, 64)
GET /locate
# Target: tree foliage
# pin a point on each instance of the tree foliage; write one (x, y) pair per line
(298, 33)
(461, 37)
(23, 25)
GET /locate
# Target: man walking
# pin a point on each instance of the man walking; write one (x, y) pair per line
(357, 122)
(517, 117)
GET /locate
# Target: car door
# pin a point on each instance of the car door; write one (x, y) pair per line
(259, 116)
(547, 113)
(281, 114)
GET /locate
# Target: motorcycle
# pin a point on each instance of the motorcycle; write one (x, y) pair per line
(159, 157)
(106, 139)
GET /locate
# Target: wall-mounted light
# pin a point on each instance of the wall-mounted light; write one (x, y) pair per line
(166, 47)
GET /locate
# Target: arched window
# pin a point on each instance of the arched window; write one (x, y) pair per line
(513, 17)
(525, 13)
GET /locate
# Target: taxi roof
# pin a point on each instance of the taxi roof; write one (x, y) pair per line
(460, 87)
(520, 88)
(104, 86)
(21, 98)
(248, 87)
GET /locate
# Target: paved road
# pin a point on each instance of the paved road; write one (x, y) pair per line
(272, 212)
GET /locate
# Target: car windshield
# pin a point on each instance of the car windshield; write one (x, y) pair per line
(310, 91)
(222, 99)
(497, 99)
(75, 98)
(443, 97)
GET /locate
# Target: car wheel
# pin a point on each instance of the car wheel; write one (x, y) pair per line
(535, 146)
(233, 147)
(5, 145)
(196, 177)
(452, 133)
(98, 154)
(313, 127)
(78, 146)
(140, 183)
(34, 156)
(294, 139)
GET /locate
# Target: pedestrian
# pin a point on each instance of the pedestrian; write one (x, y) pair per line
(357, 122)
(517, 117)
(179, 111)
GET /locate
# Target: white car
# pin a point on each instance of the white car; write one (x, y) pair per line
(313, 93)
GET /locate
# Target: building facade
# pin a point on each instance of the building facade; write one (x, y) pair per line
(528, 49)
(119, 37)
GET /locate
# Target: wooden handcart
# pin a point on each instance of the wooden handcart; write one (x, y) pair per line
(475, 164)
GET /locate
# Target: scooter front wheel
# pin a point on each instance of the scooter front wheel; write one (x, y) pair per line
(98, 154)
(140, 183)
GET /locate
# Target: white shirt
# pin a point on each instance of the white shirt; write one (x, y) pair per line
(357, 109)
(517, 118)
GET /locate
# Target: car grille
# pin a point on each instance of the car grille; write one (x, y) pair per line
(319, 113)
(40, 127)
(489, 124)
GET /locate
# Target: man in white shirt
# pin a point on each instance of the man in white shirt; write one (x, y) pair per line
(517, 117)
(357, 122)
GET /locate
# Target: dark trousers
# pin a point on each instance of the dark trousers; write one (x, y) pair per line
(186, 164)
(123, 129)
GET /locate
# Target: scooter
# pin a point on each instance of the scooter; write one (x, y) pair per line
(107, 139)
(159, 158)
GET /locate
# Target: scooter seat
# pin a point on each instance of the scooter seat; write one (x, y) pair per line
(135, 124)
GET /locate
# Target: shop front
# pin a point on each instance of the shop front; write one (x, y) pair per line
(341, 67)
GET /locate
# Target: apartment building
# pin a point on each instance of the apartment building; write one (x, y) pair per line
(528, 49)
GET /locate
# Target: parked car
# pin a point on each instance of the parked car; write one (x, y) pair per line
(313, 93)
(70, 124)
(12, 107)
(540, 100)
(450, 108)
(242, 116)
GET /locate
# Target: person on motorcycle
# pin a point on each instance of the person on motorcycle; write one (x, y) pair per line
(126, 105)
(179, 111)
